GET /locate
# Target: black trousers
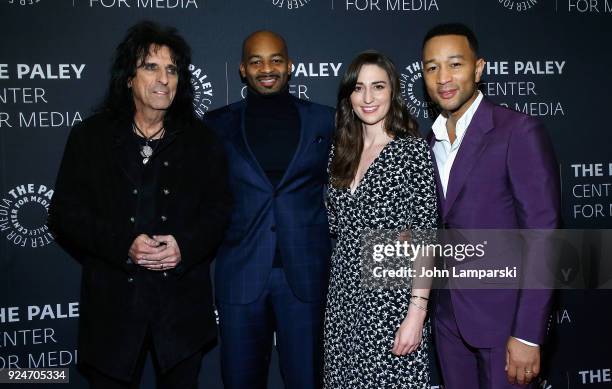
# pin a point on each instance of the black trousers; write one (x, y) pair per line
(182, 376)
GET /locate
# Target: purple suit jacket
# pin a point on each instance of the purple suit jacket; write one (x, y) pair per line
(505, 176)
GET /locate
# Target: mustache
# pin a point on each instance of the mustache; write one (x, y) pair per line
(270, 75)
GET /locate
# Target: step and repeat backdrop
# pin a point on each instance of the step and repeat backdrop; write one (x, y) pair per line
(546, 58)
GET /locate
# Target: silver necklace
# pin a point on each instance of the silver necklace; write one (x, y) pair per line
(146, 151)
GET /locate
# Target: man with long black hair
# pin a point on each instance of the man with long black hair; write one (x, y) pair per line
(142, 200)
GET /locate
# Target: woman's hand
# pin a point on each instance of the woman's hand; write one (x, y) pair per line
(409, 334)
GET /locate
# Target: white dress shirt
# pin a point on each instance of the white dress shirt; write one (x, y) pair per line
(445, 151)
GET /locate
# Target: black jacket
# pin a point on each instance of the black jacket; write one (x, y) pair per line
(92, 214)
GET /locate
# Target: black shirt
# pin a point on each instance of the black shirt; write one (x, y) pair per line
(272, 128)
(272, 125)
(144, 177)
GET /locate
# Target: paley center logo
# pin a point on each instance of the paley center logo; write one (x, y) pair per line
(302, 72)
(151, 4)
(390, 5)
(595, 376)
(413, 90)
(518, 5)
(522, 85)
(289, 4)
(23, 2)
(202, 90)
(23, 215)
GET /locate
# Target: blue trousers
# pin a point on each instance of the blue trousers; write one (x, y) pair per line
(247, 332)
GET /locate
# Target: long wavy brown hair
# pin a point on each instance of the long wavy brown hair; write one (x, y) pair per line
(348, 139)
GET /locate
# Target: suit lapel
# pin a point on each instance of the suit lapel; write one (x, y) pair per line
(241, 144)
(431, 139)
(305, 124)
(472, 146)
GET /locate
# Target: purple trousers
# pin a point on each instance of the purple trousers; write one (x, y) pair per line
(464, 366)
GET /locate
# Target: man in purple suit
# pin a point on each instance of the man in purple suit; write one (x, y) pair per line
(496, 169)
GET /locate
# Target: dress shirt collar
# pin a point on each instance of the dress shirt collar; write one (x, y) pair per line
(439, 126)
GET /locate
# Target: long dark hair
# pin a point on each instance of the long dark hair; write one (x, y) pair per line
(130, 54)
(348, 139)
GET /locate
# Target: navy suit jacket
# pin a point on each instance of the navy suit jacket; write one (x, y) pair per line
(292, 214)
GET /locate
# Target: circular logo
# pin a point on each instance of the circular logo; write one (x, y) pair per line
(413, 90)
(23, 2)
(202, 90)
(518, 6)
(290, 4)
(23, 215)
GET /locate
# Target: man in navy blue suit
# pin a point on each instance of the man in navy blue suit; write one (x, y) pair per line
(272, 269)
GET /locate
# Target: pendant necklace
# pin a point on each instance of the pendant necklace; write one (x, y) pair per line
(146, 151)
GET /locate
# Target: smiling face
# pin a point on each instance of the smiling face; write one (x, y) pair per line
(265, 64)
(371, 98)
(451, 71)
(154, 85)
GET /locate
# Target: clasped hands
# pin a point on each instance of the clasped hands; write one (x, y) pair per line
(158, 253)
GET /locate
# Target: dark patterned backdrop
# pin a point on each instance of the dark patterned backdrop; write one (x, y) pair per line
(548, 58)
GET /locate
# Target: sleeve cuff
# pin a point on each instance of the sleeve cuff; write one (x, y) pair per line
(526, 342)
